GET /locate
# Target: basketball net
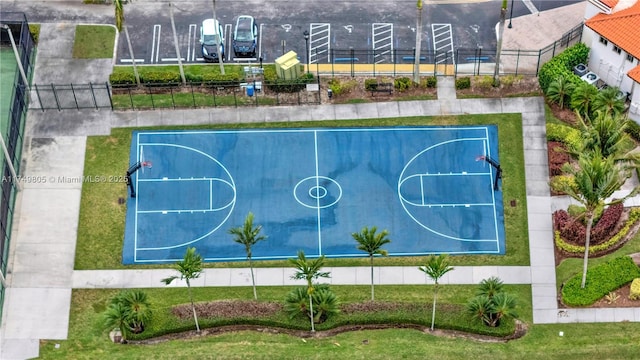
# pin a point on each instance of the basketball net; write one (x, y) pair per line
(144, 163)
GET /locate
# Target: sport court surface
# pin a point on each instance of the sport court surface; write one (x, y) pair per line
(311, 188)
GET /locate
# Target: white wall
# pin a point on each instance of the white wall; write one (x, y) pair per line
(610, 66)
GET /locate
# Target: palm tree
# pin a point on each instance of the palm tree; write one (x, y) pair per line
(496, 71)
(139, 309)
(435, 268)
(608, 100)
(491, 304)
(189, 268)
(560, 90)
(582, 99)
(596, 179)
(308, 270)
(117, 317)
(416, 55)
(120, 25)
(371, 243)
(248, 235)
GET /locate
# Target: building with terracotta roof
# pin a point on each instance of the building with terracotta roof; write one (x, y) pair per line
(612, 30)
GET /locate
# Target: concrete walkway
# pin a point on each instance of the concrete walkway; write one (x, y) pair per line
(41, 273)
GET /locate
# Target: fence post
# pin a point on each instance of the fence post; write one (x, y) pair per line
(106, 85)
(319, 91)
(517, 61)
(153, 104)
(93, 95)
(538, 64)
(39, 98)
(173, 101)
(351, 53)
(74, 97)
(130, 97)
(55, 96)
(193, 96)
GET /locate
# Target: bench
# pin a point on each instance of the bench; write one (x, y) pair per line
(413, 58)
(477, 58)
(381, 87)
(346, 59)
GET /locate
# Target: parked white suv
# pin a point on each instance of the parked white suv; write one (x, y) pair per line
(212, 40)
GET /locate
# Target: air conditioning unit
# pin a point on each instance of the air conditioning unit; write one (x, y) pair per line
(634, 108)
(580, 69)
(590, 77)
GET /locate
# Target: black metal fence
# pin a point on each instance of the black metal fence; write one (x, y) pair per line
(13, 138)
(72, 96)
(459, 62)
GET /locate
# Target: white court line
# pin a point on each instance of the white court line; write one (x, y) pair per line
(493, 191)
(315, 145)
(155, 43)
(426, 128)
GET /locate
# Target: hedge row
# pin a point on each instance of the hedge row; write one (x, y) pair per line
(634, 216)
(562, 65)
(172, 77)
(601, 280)
(575, 231)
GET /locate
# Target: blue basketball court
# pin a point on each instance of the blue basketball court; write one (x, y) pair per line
(311, 188)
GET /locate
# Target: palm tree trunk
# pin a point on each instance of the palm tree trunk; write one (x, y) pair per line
(496, 71)
(175, 41)
(193, 307)
(253, 280)
(371, 257)
(433, 312)
(313, 329)
(416, 64)
(586, 249)
(133, 60)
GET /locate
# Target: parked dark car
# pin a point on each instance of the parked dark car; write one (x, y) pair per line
(212, 40)
(245, 37)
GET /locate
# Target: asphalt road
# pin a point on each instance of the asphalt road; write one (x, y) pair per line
(335, 26)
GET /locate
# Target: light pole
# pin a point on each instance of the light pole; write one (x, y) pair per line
(510, 16)
(306, 42)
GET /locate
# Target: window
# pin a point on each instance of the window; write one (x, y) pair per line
(630, 58)
(604, 41)
(617, 49)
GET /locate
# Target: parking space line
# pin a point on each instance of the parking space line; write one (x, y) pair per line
(319, 41)
(155, 43)
(191, 43)
(442, 36)
(382, 41)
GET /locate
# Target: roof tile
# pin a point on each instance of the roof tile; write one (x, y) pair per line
(635, 74)
(621, 28)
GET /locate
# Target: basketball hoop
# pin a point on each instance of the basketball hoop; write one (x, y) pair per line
(147, 164)
(480, 157)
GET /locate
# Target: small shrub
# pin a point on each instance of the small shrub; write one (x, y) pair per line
(601, 280)
(634, 293)
(194, 78)
(633, 129)
(558, 182)
(122, 78)
(402, 83)
(634, 216)
(34, 29)
(325, 303)
(557, 157)
(160, 77)
(216, 79)
(429, 82)
(564, 134)
(484, 82)
(509, 80)
(611, 297)
(463, 83)
(339, 87)
(370, 84)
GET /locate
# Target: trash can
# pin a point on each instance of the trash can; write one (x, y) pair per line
(250, 90)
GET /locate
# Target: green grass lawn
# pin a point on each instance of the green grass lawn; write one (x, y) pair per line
(87, 339)
(101, 223)
(94, 42)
